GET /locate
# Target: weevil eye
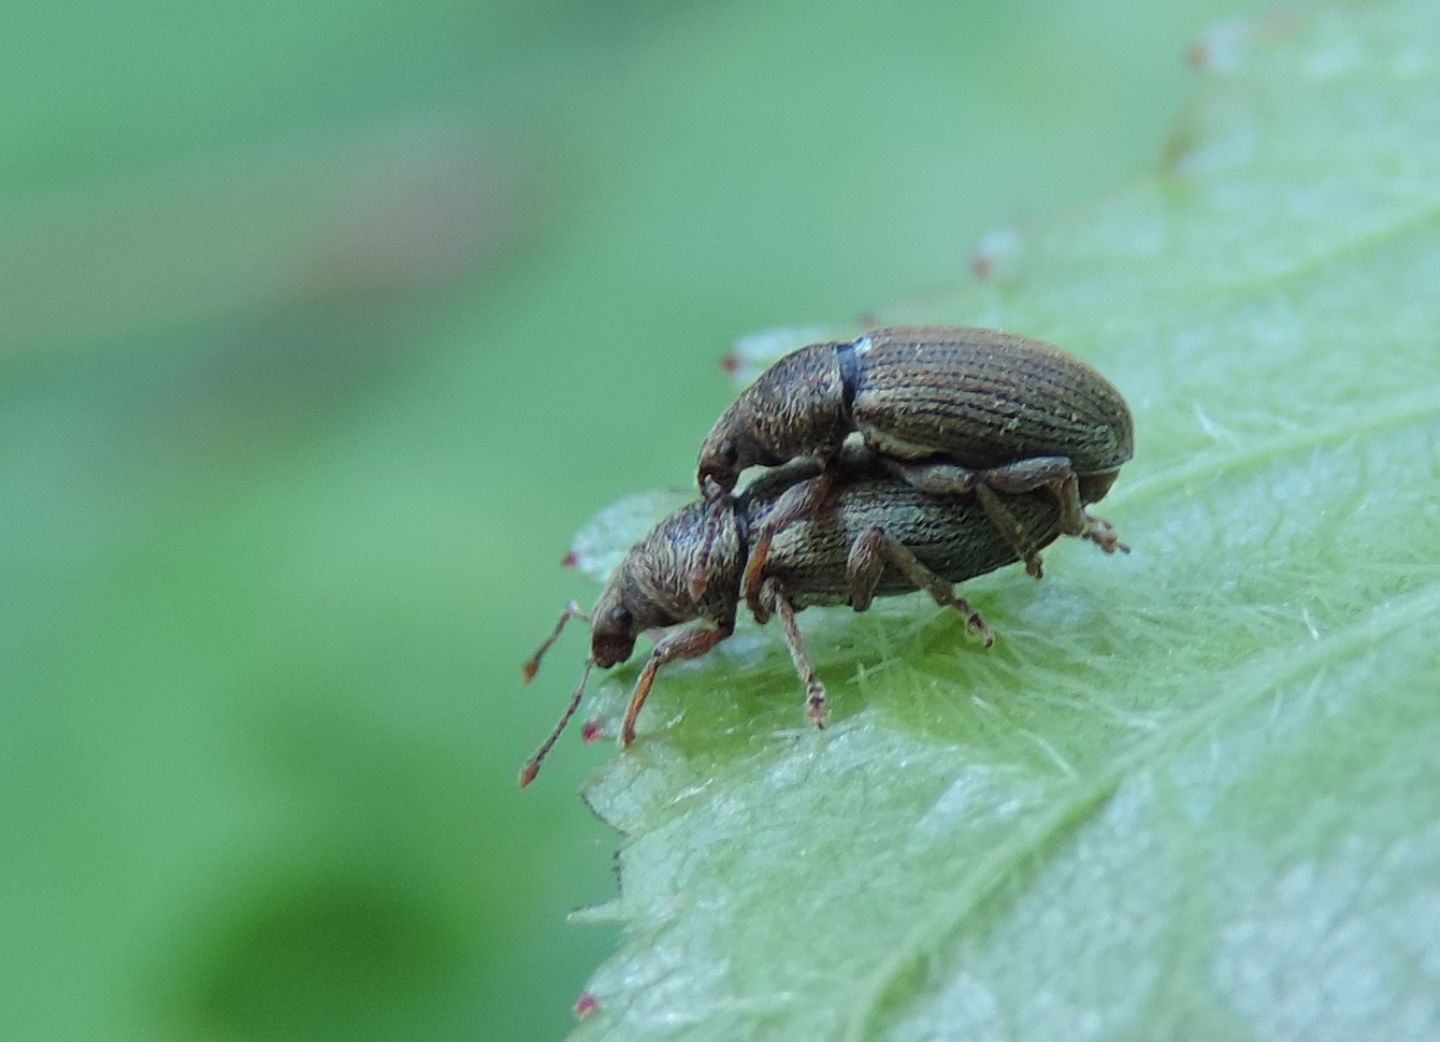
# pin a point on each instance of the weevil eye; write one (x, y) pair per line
(729, 452)
(620, 616)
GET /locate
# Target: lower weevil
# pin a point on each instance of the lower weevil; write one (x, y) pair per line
(876, 536)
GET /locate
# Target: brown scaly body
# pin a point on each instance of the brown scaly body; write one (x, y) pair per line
(877, 536)
(979, 398)
(949, 535)
(983, 399)
(951, 409)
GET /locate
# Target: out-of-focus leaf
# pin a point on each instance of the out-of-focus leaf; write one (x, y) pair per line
(755, 352)
(598, 547)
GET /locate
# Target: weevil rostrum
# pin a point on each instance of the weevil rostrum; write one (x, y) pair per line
(950, 409)
(877, 536)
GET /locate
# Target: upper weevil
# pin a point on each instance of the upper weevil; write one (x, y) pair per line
(952, 409)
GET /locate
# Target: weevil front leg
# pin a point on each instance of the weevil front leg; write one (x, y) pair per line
(773, 594)
(690, 642)
(715, 515)
(876, 548)
(798, 501)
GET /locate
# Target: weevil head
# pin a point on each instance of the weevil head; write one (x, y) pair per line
(744, 436)
(651, 589)
(723, 455)
(795, 408)
(613, 625)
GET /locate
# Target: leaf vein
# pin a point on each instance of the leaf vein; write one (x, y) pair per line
(1246, 683)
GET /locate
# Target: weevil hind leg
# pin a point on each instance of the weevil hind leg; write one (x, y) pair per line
(1052, 472)
(876, 548)
(816, 707)
(690, 642)
(1102, 533)
(1010, 530)
(941, 477)
(938, 476)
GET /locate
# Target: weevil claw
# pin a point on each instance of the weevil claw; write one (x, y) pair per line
(817, 708)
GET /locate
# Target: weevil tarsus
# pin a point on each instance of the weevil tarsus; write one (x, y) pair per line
(773, 593)
(532, 664)
(532, 765)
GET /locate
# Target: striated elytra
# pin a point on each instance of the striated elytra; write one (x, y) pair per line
(950, 409)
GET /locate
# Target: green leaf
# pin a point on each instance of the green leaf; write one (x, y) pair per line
(1191, 793)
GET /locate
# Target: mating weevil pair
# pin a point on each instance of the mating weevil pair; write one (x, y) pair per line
(978, 449)
(950, 409)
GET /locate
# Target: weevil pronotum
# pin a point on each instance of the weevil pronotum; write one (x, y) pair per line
(875, 536)
(949, 408)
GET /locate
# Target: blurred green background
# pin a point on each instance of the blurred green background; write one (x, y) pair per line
(323, 326)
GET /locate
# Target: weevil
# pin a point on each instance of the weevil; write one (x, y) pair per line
(875, 536)
(950, 409)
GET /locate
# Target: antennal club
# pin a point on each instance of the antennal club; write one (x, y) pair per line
(532, 765)
(532, 664)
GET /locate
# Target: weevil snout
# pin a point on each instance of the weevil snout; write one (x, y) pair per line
(719, 467)
(612, 636)
(715, 482)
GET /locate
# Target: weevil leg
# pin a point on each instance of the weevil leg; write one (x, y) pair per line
(1056, 474)
(1102, 533)
(950, 479)
(798, 501)
(690, 642)
(773, 592)
(868, 557)
(715, 513)
(1010, 530)
(1052, 472)
(942, 478)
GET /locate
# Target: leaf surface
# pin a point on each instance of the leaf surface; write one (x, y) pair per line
(1191, 793)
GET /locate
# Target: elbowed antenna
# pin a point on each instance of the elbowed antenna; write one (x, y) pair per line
(532, 664)
(532, 765)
